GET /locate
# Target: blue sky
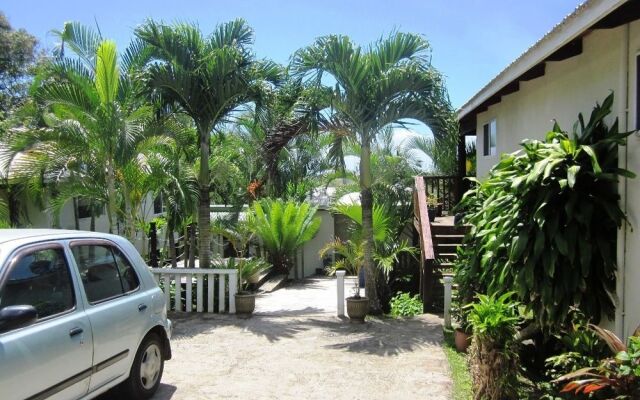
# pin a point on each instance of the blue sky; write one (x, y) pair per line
(472, 40)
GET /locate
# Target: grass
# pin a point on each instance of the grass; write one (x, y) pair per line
(459, 368)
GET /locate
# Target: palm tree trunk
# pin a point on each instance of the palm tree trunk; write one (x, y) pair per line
(92, 225)
(128, 211)
(172, 248)
(204, 206)
(76, 220)
(191, 233)
(111, 193)
(366, 200)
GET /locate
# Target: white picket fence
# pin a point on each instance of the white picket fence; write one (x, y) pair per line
(186, 276)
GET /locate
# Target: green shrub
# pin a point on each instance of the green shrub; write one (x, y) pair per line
(283, 227)
(493, 352)
(403, 305)
(544, 220)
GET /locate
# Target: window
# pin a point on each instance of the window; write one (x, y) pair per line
(489, 138)
(40, 279)
(158, 205)
(84, 208)
(105, 272)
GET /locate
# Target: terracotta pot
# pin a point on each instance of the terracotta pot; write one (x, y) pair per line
(463, 340)
(245, 303)
(357, 308)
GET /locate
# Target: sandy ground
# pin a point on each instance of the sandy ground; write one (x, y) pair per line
(294, 347)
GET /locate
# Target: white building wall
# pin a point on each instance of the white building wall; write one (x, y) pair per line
(567, 88)
(308, 258)
(41, 218)
(629, 239)
(607, 63)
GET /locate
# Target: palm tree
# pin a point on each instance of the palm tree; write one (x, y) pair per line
(207, 78)
(376, 87)
(386, 249)
(94, 121)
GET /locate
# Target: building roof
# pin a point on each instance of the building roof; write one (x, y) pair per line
(561, 42)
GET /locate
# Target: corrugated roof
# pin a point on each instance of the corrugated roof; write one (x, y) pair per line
(584, 16)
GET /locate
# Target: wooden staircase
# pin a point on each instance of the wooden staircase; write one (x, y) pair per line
(439, 242)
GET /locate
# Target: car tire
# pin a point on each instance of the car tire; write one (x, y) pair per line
(146, 371)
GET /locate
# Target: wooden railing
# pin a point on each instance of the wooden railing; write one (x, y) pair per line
(445, 188)
(172, 280)
(423, 226)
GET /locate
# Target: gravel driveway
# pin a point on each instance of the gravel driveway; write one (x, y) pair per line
(294, 347)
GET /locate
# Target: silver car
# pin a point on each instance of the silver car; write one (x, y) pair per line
(80, 313)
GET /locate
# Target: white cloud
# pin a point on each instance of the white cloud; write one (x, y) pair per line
(400, 136)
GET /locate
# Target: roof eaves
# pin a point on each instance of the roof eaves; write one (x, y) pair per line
(572, 26)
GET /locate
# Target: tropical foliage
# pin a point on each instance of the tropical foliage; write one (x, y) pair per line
(207, 78)
(617, 376)
(405, 305)
(376, 87)
(282, 227)
(94, 126)
(494, 357)
(543, 220)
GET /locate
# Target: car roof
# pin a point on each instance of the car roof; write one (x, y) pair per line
(9, 235)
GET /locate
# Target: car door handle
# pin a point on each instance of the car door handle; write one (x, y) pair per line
(142, 307)
(75, 331)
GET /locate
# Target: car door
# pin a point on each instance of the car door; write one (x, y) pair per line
(51, 357)
(118, 308)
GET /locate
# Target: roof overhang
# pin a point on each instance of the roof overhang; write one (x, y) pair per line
(562, 42)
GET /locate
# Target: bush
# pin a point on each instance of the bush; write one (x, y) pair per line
(403, 305)
(493, 352)
(544, 220)
(615, 377)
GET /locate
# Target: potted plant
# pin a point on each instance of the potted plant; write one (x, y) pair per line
(462, 334)
(253, 269)
(351, 260)
(239, 236)
(434, 207)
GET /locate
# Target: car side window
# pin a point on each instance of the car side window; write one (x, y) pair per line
(40, 279)
(104, 270)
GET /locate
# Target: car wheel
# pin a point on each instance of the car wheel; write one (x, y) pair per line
(146, 370)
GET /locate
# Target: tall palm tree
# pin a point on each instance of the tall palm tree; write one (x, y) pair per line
(208, 77)
(94, 120)
(378, 86)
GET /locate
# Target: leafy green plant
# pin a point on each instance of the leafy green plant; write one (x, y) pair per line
(581, 347)
(350, 254)
(543, 220)
(253, 266)
(493, 352)
(386, 246)
(246, 268)
(405, 305)
(282, 227)
(618, 375)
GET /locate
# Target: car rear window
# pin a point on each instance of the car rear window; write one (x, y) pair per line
(106, 273)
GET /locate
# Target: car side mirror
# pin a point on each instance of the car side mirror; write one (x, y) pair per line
(12, 317)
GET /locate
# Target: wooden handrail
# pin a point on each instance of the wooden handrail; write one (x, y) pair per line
(422, 218)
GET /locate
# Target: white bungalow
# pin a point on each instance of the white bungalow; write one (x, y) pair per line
(593, 51)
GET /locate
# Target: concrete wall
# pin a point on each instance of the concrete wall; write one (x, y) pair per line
(607, 63)
(308, 258)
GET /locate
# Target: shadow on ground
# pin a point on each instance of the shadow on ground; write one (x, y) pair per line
(377, 336)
